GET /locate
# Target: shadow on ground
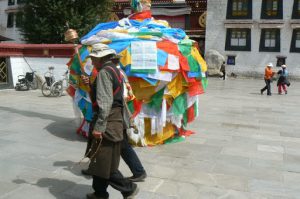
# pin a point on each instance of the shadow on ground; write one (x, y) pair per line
(61, 127)
(58, 187)
(73, 167)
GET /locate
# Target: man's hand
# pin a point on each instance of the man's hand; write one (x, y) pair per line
(85, 79)
(97, 134)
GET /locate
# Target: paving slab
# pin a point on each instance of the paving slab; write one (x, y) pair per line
(245, 146)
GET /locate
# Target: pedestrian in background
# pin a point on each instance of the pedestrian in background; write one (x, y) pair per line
(223, 70)
(268, 78)
(282, 80)
(127, 152)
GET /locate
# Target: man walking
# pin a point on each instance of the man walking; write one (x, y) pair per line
(127, 152)
(223, 70)
(106, 129)
(268, 77)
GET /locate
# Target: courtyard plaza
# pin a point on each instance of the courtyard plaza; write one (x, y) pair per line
(245, 146)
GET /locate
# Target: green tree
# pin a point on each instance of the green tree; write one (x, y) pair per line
(44, 21)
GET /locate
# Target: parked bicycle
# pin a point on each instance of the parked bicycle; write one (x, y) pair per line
(51, 87)
(26, 82)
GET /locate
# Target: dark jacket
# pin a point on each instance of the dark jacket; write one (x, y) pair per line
(107, 119)
(282, 78)
(108, 95)
(105, 155)
(222, 69)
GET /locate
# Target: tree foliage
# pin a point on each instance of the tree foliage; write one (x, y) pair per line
(44, 21)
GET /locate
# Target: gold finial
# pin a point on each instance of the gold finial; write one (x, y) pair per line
(70, 35)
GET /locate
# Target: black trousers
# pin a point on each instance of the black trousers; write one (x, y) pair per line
(267, 87)
(130, 157)
(117, 181)
(224, 75)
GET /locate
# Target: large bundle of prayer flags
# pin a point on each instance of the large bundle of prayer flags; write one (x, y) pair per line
(164, 67)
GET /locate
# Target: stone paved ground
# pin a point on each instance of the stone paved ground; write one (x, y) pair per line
(246, 146)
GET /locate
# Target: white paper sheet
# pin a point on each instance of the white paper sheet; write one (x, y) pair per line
(143, 55)
(88, 68)
(161, 75)
(173, 62)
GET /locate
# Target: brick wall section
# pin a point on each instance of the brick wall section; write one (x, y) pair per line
(36, 50)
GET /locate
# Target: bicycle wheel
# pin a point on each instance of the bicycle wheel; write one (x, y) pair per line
(57, 89)
(46, 90)
(34, 84)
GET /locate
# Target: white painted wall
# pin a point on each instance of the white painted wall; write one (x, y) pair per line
(250, 63)
(21, 65)
(3, 17)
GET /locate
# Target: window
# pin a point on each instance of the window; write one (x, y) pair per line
(14, 19)
(295, 44)
(238, 39)
(270, 40)
(11, 2)
(271, 9)
(296, 10)
(231, 60)
(3, 70)
(239, 9)
(10, 20)
(280, 61)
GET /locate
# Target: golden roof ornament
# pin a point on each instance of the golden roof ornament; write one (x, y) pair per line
(202, 20)
(70, 35)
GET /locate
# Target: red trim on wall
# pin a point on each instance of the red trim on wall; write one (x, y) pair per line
(36, 50)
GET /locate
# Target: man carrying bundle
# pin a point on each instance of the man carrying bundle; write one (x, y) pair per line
(106, 129)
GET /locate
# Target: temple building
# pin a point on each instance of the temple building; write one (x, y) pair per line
(19, 58)
(189, 15)
(250, 34)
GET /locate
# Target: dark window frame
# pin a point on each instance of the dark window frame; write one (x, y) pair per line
(10, 20)
(262, 47)
(264, 14)
(293, 42)
(11, 2)
(228, 46)
(229, 14)
(280, 61)
(229, 60)
(295, 14)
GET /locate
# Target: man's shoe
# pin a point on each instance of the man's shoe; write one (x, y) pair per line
(285, 92)
(86, 172)
(133, 194)
(261, 92)
(139, 178)
(93, 196)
